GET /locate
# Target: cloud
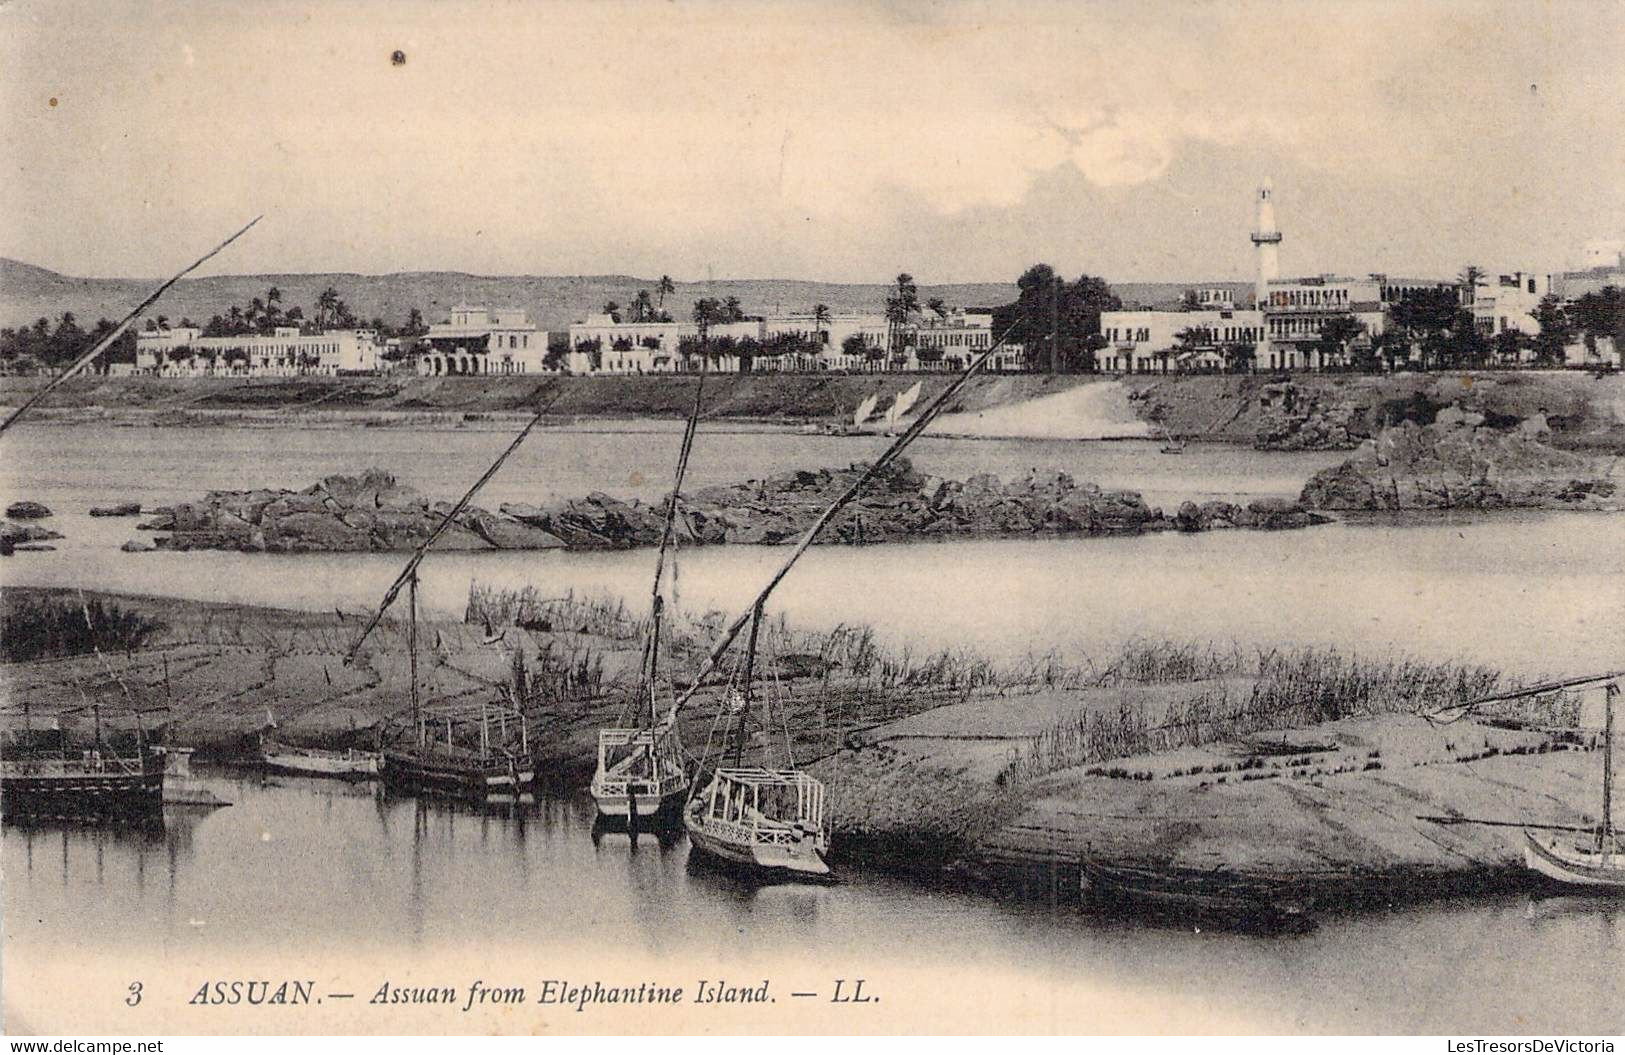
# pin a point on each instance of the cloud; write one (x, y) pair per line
(611, 136)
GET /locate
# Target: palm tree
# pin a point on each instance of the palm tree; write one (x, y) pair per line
(734, 312)
(326, 304)
(666, 286)
(937, 305)
(899, 307)
(1469, 283)
(612, 308)
(641, 305)
(821, 319)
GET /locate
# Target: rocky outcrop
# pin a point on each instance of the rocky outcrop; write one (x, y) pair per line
(1458, 463)
(372, 512)
(21, 534)
(1293, 418)
(900, 504)
(341, 514)
(27, 511)
(117, 509)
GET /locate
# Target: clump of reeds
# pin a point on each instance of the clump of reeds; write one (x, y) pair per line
(1292, 688)
(37, 627)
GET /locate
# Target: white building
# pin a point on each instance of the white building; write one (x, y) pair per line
(479, 341)
(832, 334)
(1295, 310)
(600, 345)
(1142, 342)
(286, 352)
(1508, 302)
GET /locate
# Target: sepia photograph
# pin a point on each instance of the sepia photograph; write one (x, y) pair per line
(694, 518)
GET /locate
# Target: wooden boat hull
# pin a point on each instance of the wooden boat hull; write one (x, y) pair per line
(453, 776)
(82, 794)
(349, 765)
(621, 806)
(1585, 869)
(802, 860)
(1183, 896)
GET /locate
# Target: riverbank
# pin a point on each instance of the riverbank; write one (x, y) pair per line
(1313, 769)
(471, 401)
(1271, 412)
(1339, 411)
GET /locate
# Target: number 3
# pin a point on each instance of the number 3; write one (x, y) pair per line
(135, 994)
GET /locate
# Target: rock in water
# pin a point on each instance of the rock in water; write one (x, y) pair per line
(27, 511)
(118, 509)
(137, 545)
(1457, 465)
(20, 534)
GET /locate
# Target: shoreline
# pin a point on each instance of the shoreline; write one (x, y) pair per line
(920, 780)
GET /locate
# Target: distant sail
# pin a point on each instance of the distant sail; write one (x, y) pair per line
(865, 408)
(904, 403)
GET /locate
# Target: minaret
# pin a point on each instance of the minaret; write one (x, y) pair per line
(1266, 239)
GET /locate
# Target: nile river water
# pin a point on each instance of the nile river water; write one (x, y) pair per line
(361, 885)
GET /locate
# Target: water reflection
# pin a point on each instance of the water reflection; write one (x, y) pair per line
(326, 868)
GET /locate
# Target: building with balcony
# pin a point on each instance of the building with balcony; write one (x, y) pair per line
(1143, 342)
(482, 342)
(1296, 309)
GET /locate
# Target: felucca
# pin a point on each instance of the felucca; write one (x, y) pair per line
(767, 819)
(1598, 864)
(476, 749)
(46, 773)
(771, 821)
(903, 404)
(641, 771)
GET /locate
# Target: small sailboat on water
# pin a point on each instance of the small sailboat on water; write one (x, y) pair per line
(281, 756)
(865, 410)
(473, 750)
(1596, 865)
(902, 405)
(772, 821)
(478, 749)
(641, 771)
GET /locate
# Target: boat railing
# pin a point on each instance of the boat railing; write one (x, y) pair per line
(91, 764)
(669, 782)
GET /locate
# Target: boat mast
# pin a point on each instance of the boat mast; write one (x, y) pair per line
(657, 604)
(731, 633)
(1605, 831)
(412, 652)
(451, 515)
(741, 728)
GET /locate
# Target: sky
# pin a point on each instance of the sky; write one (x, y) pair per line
(960, 141)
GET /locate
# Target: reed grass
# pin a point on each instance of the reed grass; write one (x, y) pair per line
(1291, 689)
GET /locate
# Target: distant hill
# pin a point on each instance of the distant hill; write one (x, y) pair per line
(28, 292)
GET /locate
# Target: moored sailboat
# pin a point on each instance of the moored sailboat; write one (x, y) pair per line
(773, 821)
(768, 820)
(641, 771)
(481, 766)
(1597, 865)
(44, 773)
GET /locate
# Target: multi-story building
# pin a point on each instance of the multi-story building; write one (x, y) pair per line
(286, 352)
(1500, 303)
(600, 345)
(1141, 342)
(477, 340)
(1296, 310)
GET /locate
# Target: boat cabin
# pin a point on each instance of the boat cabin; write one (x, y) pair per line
(770, 804)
